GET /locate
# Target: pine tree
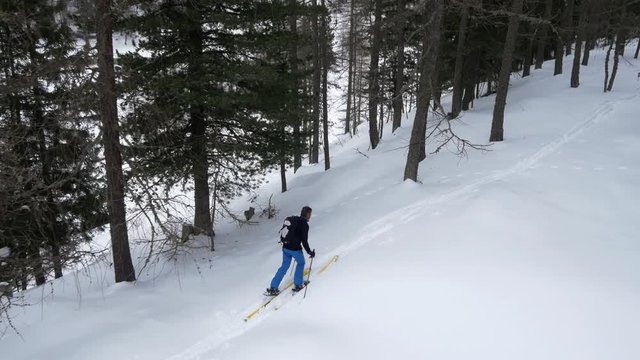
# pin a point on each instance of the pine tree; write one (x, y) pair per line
(122, 264)
(52, 192)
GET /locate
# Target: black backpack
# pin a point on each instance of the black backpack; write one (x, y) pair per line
(288, 225)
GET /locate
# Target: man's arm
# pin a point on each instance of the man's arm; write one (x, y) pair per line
(304, 236)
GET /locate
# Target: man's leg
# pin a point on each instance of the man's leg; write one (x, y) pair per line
(282, 271)
(299, 273)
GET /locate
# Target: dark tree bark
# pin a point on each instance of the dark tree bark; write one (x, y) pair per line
(543, 38)
(470, 80)
(436, 87)
(587, 51)
(283, 169)
(325, 75)
(456, 105)
(568, 24)
(57, 260)
(561, 39)
(293, 61)
(528, 57)
(202, 217)
(374, 81)
(497, 125)
(606, 64)
(35, 262)
(350, 86)
(620, 42)
(575, 70)
(637, 50)
(39, 125)
(122, 264)
(557, 68)
(358, 93)
(399, 71)
(315, 142)
(434, 12)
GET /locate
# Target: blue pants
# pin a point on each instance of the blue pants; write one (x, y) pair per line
(286, 262)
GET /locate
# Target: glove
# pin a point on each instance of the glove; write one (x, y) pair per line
(312, 254)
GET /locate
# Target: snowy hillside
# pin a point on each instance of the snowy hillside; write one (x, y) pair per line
(528, 251)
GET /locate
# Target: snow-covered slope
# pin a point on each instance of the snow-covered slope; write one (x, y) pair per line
(529, 251)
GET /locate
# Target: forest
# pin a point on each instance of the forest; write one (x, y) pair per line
(210, 95)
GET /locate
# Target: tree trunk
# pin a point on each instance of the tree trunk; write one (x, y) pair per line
(470, 80)
(293, 61)
(358, 94)
(315, 143)
(456, 105)
(587, 52)
(325, 74)
(606, 64)
(568, 25)
(122, 264)
(57, 260)
(432, 32)
(620, 42)
(558, 54)
(399, 73)
(528, 58)
(575, 70)
(35, 262)
(347, 121)
(202, 218)
(283, 170)
(557, 68)
(374, 81)
(497, 124)
(637, 49)
(544, 31)
(562, 38)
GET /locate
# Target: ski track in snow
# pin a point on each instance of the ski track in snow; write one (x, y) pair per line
(381, 226)
(420, 208)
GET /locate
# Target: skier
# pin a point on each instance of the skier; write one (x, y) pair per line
(294, 237)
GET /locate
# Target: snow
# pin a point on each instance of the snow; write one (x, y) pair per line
(527, 251)
(4, 252)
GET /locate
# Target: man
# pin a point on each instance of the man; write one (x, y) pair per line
(296, 237)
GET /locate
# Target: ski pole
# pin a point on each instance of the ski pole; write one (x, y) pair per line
(308, 276)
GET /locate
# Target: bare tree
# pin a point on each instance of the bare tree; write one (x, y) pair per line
(497, 125)
(351, 70)
(561, 39)
(122, 264)
(542, 39)
(620, 42)
(434, 13)
(568, 24)
(374, 81)
(456, 105)
(528, 56)
(399, 71)
(575, 70)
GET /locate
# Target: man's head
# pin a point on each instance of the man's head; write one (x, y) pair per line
(306, 212)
